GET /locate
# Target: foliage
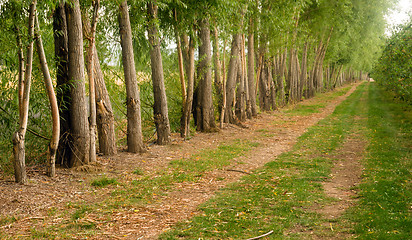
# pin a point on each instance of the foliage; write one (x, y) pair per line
(394, 68)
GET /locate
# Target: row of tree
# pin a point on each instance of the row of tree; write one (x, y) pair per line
(280, 52)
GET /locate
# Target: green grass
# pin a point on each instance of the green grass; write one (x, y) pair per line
(384, 211)
(316, 104)
(103, 182)
(280, 196)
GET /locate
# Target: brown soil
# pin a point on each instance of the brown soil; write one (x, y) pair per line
(32, 204)
(346, 174)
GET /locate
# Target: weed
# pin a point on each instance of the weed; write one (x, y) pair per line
(103, 182)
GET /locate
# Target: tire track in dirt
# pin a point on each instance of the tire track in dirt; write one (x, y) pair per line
(182, 203)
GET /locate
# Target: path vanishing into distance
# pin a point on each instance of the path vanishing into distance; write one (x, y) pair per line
(52, 203)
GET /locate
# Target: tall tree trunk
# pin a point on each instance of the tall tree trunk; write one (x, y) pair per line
(218, 69)
(180, 62)
(190, 74)
(64, 150)
(272, 80)
(160, 111)
(304, 71)
(134, 127)
(240, 105)
(223, 110)
(78, 110)
(205, 73)
(264, 87)
(104, 112)
(92, 89)
(19, 136)
(231, 79)
(51, 169)
(251, 68)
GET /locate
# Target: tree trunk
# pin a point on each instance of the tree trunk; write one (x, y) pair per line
(20, 54)
(51, 169)
(207, 118)
(104, 112)
(180, 62)
(19, 136)
(304, 72)
(160, 111)
(134, 127)
(231, 79)
(78, 110)
(264, 87)
(240, 106)
(92, 89)
(223, 110)
(218, 69)
(190, 74)
(64, 150)
(251, 69)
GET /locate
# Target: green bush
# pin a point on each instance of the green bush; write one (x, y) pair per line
(394, 68)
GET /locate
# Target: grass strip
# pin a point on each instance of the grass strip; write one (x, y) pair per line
(384, 210)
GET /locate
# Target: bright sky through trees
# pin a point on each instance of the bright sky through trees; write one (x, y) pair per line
(399, 15)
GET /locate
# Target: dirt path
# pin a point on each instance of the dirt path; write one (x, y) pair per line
(34, 201)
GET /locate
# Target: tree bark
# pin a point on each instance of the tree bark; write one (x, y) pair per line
(51, 169)
(92, 88)
(104, 112)
(78, 110)
(223, 110)
(180, 62)
(218, 69)
(64, 150)
(231, 79)
(134, 128)
(19, 136)
(160, 111)
(190, 74)
(304, 71)
(251, 69)
(207, 119)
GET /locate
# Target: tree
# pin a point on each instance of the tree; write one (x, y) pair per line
(134, 128)
(206, 119)
(78, 112)
(54, 141)
(160, 111)
(92, 88)
(18, 137)
(104, 111)
(64, 150)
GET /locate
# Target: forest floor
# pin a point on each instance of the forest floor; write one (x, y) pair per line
(68, 201)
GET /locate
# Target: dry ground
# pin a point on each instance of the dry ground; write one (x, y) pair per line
(31, 204)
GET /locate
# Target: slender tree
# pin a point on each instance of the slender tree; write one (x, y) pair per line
(160, 111)
(54, 141)
(134, 128)
(92, 81)
(19, 136)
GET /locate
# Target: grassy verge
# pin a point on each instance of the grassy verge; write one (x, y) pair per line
(384, 210)
(280, 197)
